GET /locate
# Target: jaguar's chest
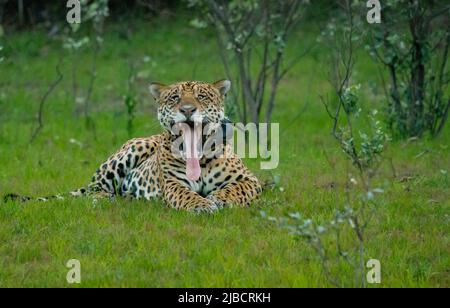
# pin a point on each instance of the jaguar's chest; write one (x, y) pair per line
(213, 177)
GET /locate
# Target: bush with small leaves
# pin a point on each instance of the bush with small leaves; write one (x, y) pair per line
(340, 242)
(412, 43)
(244, 30)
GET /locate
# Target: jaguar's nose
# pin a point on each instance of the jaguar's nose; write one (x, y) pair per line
(188, 110)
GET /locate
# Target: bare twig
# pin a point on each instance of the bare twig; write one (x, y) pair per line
(443, 119)
(93, 73)
(226, 64)
(44, 98)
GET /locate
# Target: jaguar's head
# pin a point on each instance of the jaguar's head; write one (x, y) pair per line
(190, 102)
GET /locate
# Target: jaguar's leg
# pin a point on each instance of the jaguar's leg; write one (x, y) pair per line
(110, 176)
(241, 192)
(181, 197)
(143, 181)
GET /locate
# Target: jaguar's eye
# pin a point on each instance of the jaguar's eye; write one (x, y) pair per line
(201, 97)
(175, 97)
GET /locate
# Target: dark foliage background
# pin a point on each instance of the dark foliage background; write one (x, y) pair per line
(35, 12)
(40, 11)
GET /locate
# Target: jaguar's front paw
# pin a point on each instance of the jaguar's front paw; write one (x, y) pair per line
(220, 204)
(209, 207)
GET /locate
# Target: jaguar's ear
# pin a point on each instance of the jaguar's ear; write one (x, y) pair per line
(223, 86)
(156, 89)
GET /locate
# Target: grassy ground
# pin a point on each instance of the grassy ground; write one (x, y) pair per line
(144, 243)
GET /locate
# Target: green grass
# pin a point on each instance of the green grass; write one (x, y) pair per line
(146, 244)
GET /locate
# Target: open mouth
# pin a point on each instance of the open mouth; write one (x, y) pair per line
(192, 134)
(193, 141)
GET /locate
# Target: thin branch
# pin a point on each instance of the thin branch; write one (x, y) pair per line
(437, 13)
(296, 117)
(89, 122)
(74, 81)
(92, 79)
(295, 61)
(45, 97)
(274, 85)
(225, 62)
(222, 17)
(443, 119)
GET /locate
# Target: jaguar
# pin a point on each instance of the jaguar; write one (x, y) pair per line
(172, 165)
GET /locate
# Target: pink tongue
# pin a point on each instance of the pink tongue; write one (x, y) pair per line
(191, 139)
